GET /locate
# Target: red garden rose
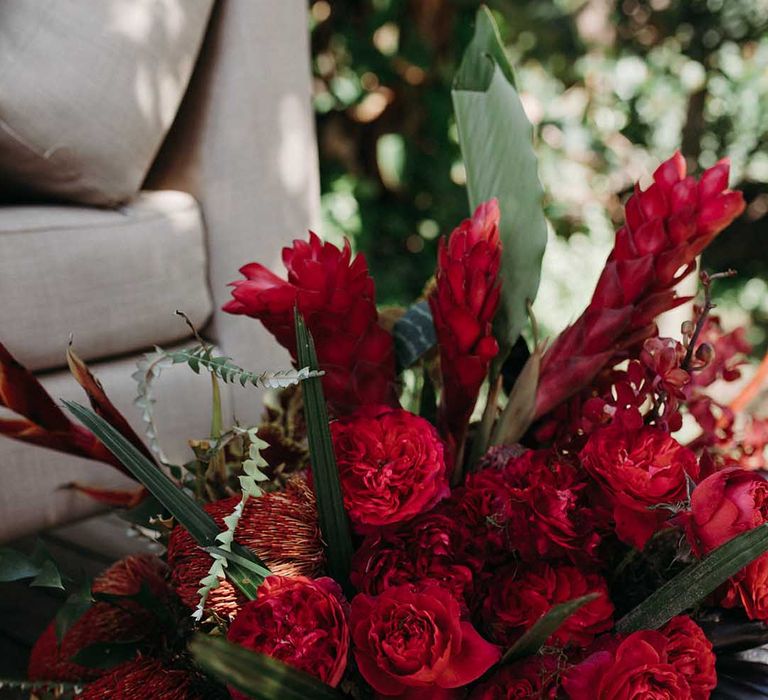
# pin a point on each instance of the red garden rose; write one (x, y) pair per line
(335, 293)
(639, 470)
(391, 464)
(410, 642)
(690, 652)
(639, 667)
(518, 597)
(436, 546)
(724, 505)
(145, 678)
(749, 590)
(298, 621)
(534, 678)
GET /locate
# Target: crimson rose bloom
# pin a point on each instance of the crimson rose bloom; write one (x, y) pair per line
(436, 546)
(534, 678)
(690, 652)
(640, 667)
(724, 505)
(336, 295)
(298, 621)
(391, 466)
(410, 642)
(749, 590)
(639, 469)
(518, 597)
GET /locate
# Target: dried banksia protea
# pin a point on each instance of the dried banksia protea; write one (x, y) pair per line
(104, 621)
(281, 527)
(666, 227)
(284, 429)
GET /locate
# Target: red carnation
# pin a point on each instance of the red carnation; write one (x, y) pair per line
(724, 505)
(519, 596)
(280, 527)
(534, 678)
(639, 470)
(144, 678)
(463, 305)
(335, 294)
(690, 652)
(298, 621)
(436, 546)
(410, 642)
(104, 621)
(391, 465)
(666, 227)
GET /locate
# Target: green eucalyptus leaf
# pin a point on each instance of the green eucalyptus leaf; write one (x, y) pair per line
(189, 514)
(334, 524)
(259, 676)
(15, 566)
(496, 141)
(77, 604)
(414, 334)
(544, 628)
(696, 582)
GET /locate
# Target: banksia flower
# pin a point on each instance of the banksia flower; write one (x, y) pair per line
(666, 227)
(335, 294)
(463, 304)
(104, 621)
(146, 678)
(281, 527)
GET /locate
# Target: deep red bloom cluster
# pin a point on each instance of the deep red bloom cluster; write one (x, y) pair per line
(335, 294)
(145, 678)
(535, 678)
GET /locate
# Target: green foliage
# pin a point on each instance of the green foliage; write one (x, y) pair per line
(259, 676)
(334, 524)
(38, 566)
(181, 505)
(695, 583)
(414, 334)
(497, 144)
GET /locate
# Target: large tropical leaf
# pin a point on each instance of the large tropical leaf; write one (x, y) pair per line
(414, 334)
(259, 676)
(334, 524)
(696, 582)
(181, 505)
(496, 143)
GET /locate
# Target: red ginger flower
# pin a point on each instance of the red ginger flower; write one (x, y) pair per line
(391, 465)
(335, 294)
(103, 621)
(410, 642)
(144, 678)
(280, 527)
(666, 227)
(463, 305)
(298, 621)
(520, 595)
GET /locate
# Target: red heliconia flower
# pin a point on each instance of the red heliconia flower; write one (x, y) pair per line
(146, 678)
(335, 294)
(280, 527)
(666, 227)
(463, 305)
(104, 621)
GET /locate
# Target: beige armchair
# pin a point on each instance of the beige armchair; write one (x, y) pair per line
(235, 180)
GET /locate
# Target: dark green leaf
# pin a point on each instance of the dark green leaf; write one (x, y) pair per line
(414, 334)
(15, 566)
(334, 524)
(696, 582)
(259, 676)
(106, 654)
(76, 605)
(242, 561)
(183, 507)
(545, 627)
(49, 576)
(497, 145)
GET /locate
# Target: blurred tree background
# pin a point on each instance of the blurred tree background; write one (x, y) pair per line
(611, 86)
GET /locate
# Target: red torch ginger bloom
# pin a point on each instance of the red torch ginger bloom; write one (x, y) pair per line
(145, 678)
(280, 527)
(639, 470)
(519, 596)
(666, 227)
(410, 642)
(724, 505)
(391, 466)
(463, 305)
(104, 622)
(335, 294)
(298, 621)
